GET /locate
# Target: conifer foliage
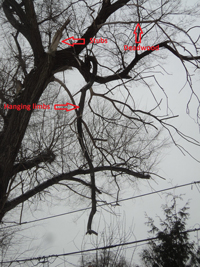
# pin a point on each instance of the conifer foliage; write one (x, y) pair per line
(173, 246)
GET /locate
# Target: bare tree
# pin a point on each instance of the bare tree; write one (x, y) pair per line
(104, 259)
(5, 243)
(108, 135)
(115, 233)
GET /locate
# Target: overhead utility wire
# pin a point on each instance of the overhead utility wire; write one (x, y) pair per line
(43, 258)
(104, 204)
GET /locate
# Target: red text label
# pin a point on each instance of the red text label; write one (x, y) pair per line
(98, 41)
(140, 47)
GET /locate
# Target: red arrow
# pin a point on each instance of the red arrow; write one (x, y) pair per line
(64, 107)
(139, 32)
(74, 39)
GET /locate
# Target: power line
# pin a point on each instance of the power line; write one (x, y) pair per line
(44, 258)
(104, 204)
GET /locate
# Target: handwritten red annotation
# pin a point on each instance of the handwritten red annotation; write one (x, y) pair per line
(138, 38)
(43, 106)
(27, 107)
(138, 32)
(64, 107)
(81, 41)
(97, 41)
(139, 47)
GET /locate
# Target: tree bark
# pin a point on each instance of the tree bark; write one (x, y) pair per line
(17, 121)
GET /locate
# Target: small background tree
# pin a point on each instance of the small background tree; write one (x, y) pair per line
(172, 247)
(105, 258)
(115, 233)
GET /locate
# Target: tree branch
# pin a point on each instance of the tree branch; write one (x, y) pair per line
(105, 12)
(66, 89)
(45, 156)
(182, 57)
(82, 143)
(20, 59)
(27, 26)
(9, 205)
(124, 74)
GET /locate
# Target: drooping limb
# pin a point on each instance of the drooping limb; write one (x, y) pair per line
(83, 145)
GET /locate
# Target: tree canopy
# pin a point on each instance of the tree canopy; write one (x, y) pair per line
(109, 139)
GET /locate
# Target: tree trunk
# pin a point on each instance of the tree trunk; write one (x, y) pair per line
(16, 123)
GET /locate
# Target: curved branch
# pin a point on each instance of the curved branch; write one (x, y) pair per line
(41, 187)
(124, 74)
(28, 25)
(9, 205)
